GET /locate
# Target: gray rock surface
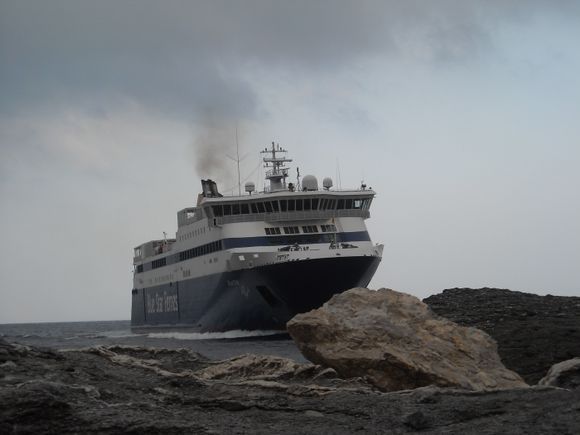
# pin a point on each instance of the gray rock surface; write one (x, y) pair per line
(532, 332)
(563, 375)
(396, 342)
(141, 390)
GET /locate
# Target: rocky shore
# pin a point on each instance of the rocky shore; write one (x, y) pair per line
(144, 390)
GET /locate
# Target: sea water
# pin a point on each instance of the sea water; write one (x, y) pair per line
(214, 345)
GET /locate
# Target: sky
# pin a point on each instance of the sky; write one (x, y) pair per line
(463, 116)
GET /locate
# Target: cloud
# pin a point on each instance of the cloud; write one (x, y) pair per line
(184, 56)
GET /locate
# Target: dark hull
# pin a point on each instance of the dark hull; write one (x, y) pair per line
(260, 298)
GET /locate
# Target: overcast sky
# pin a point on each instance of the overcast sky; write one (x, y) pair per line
(463, 115)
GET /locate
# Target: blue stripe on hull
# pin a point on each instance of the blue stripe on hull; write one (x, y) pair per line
(250, 242)
(262, 298)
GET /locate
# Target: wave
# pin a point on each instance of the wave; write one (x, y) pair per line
(236, 333)
(105, 334)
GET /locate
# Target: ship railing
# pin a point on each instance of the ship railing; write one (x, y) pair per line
(292, 216)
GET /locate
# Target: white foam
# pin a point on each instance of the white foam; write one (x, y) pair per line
(107, 334)
(236, 333)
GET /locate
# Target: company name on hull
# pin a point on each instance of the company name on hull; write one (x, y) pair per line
(161, 303)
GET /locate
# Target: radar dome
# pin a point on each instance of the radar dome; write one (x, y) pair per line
(250, 187)
(327, 183)
(309, 182)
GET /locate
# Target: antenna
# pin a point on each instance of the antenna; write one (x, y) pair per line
(338, 175)
(237, 160)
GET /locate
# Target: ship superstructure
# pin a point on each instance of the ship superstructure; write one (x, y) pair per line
(254, 261)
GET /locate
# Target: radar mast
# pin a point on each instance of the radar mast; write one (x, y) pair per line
(276, 172)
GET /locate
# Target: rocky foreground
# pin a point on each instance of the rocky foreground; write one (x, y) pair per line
(142, 390)
(136, 390)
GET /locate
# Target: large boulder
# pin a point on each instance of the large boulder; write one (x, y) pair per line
(563, 375)
(396, 342)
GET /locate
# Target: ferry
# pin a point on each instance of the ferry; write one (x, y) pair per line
(252, 261)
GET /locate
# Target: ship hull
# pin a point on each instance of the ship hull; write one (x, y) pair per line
(260, 298)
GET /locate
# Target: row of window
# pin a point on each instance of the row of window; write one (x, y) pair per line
(208, 248)
(160, 262)
(193, 233)
(284, 205)
(306, 229)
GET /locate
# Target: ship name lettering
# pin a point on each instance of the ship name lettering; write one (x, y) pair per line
(161, 303)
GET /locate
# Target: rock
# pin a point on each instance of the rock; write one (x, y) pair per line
(259, 367)
(532, 332)
(563, 375)
(396, 342)
(146, 390)
(417, 421)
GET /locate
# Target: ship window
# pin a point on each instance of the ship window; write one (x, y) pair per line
(357, 204)
(140, 268)
(299, 205)
(307, 204)
(138, 252)
(236, 209)
(245, 209)
(158, 263)
(314, 203)
(227, 209)
(348, 204)
(283, 205)
(275, 206)
(291, 205)
(254, 207)
(261, 207)
(218, 210)
(340, 205)
(268, 205)
(291, 230)
(331, 228)
(309, 229)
